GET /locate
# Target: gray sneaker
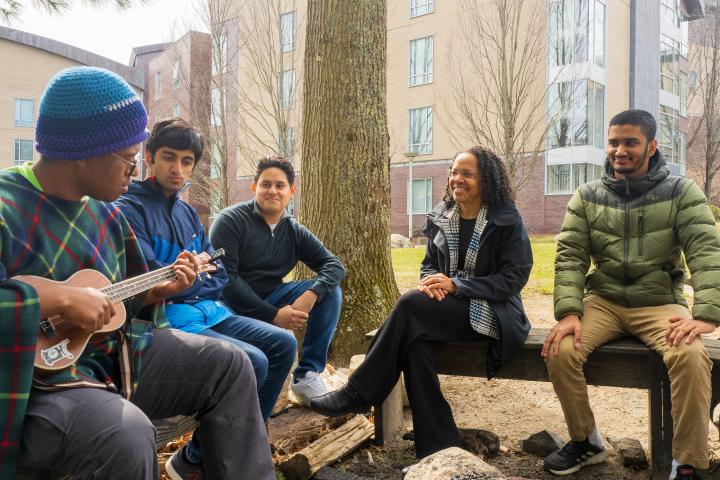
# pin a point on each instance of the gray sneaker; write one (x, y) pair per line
(178, 468)
(305, 389)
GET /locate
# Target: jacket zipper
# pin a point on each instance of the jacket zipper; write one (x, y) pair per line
(641, 232)
(626, 252)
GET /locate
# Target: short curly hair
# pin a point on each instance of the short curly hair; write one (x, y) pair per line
(495, 181)
(276, 162)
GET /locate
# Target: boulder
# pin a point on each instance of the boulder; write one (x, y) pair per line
(631, 452)
(399, 241)
(542, 443)
(453, 464)
(480, 442)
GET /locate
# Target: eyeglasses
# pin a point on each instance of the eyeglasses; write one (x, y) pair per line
(132, 164)
(467, 174)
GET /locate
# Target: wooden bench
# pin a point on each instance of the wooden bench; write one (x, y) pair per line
(622, 363)
(167, 429)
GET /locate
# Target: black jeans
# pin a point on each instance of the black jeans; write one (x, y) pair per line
(405, 342)
(94, 433)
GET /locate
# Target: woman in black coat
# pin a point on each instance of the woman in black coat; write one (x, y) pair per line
(477, 261)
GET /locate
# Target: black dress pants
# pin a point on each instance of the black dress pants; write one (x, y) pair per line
(405, 343)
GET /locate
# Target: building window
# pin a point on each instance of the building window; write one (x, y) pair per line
(421, 60)
(576, 32)
(23, 151)
(176, 110)
(286, 144)
(285, 88)
(669, 135)
(215, 162)
(420, 130)
(158, 85)
(24, 112)
(421, 7)
(669, 65)
(577, 114)
(218, 101)
(683, 93)
(421, 196)
(693, 81)
(216, 203)
(219, 54)
(287, 31)
(176, 74)
(669, 12)
(291, 207)
(565, 178)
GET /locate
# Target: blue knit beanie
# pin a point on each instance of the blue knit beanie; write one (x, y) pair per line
(88, 112)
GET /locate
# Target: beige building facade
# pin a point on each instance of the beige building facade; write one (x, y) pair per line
(37, 60)
(591, 59)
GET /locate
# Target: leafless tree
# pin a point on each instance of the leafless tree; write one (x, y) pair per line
(497, 95)
(704, 139)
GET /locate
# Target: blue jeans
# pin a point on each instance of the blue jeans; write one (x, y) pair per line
(320, 326)
(271, 350)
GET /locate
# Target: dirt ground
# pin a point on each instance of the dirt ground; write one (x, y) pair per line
(514, 410)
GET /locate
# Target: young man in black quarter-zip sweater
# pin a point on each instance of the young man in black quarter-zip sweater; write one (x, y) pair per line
(263, 243)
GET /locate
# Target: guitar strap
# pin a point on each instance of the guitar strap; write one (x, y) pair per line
(124, 358)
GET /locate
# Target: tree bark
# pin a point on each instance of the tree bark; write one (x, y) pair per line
(345, 174)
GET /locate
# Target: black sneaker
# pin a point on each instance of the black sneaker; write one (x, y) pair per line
(574, 456)
(686, 472)
(178, 468)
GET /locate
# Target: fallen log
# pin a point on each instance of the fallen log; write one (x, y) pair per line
(328, 449)
(298, 428)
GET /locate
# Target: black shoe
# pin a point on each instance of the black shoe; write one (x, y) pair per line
(338, 403)
(178, 468)
(574, 456)
(686, 472)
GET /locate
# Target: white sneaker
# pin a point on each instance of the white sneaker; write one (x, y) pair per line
(305, 389)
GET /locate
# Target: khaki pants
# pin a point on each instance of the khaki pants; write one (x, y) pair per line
(688, 367)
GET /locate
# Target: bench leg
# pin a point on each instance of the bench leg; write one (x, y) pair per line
(661, 427)
(389, 417)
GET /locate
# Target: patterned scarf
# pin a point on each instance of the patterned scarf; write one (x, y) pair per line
(482, 317)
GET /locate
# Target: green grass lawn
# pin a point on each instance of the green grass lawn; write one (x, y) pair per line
(406, 263)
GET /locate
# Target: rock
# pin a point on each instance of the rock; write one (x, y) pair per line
(542, 443)
(399, 241)
(480, 442)
(355, 362)
(631, 452)
(453, 464)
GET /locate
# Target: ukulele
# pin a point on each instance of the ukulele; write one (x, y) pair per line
(60, 342)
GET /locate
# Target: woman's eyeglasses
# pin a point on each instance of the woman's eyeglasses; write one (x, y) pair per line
(464, 173)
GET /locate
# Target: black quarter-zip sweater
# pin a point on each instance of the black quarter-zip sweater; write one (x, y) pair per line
(258, 258)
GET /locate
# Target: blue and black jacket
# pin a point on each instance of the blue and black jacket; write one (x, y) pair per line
(165, 226)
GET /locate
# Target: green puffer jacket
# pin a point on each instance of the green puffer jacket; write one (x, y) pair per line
(635, 231)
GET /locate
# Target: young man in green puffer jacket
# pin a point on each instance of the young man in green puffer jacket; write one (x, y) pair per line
(634, 225)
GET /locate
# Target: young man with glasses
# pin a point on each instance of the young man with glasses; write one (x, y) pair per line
(263, 244)
(92, 420)
(165, 225)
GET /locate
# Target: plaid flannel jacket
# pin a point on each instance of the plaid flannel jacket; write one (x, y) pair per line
(53, 238)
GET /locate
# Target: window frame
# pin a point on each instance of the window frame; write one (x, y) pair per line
(176, 75)
(285, 44)
(426, 76)
(427, 193)
(20, 121)
(418, 9)
(17, 151)
(286, 92)
(423, 147)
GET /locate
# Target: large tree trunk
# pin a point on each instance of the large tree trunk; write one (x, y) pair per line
(345, 166)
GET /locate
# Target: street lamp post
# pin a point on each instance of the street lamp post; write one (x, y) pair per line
(410, 155)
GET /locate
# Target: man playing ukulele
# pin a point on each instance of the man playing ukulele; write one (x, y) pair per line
(92, 420)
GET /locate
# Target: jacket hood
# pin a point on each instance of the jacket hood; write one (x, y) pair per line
(635, 186)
